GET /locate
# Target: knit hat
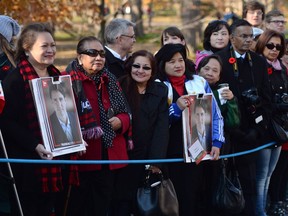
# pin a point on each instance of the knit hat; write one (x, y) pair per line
(167, 51)
(8, 27)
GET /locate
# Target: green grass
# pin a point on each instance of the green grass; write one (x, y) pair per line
(148, 37)
(63, 36)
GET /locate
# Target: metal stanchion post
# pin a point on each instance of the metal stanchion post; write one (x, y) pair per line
(11, 175)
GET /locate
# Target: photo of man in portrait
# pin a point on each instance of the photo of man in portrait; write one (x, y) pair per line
(197, 128)
(202, 128)
(62, 121)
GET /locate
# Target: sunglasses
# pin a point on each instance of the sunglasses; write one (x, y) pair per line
(139, 66)
(94, 53)
(271, 46)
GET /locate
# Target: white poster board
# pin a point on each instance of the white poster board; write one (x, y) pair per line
(57, 115)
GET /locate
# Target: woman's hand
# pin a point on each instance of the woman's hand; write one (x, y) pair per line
(115, 123)
(84, 151)
(43, 153)
(215, 153)
(183, 102)
(227, 94)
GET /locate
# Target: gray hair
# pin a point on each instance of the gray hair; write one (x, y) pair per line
(115, 28)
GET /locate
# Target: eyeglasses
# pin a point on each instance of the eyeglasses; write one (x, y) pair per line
(245, 36)
(271, 46)
(94, 53)
(136, 66)
(278, 22)
(132, 36)
(259, 13)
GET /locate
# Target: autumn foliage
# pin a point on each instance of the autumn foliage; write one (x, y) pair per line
(57, 12)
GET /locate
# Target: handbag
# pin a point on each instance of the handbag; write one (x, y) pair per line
(158, 198)
(280, 131)
(228, 197)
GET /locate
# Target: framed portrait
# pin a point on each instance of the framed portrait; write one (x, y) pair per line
(57, 114)
(197, 128)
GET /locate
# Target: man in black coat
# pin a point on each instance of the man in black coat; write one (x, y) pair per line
(119, 37)
(246, 73)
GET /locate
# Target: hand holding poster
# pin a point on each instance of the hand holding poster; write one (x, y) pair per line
(197, 128)
(57, 115)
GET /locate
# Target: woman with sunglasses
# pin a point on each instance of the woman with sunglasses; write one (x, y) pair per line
(216, 37)
(149, 107)
(100, 102)
(271, 45)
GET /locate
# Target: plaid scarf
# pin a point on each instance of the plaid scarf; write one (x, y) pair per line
(106, 85)
(49, 175)
(89, 126)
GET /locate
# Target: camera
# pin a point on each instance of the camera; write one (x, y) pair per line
(281, 98)
(251, 99)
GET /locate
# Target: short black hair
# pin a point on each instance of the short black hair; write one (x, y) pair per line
(212, 27)
(237, 23)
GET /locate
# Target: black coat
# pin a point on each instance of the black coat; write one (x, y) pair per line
(151, 124)
(254, 75)
(114, 65)
(150, 137)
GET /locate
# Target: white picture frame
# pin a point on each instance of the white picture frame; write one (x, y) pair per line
(58, 138)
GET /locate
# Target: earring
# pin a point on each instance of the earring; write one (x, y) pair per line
(26, 54)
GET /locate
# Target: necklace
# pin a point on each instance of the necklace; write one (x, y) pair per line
(142, 91)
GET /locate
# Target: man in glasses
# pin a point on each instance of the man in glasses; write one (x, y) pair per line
(246, 74)
(119, 37)
(254, 13)
(275, 20)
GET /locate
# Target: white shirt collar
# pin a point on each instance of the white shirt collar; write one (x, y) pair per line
(115, 54)
(238, 55)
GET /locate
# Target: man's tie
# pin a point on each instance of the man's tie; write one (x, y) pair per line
(240, 59)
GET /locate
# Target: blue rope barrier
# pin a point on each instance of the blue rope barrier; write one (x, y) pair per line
(35, 161)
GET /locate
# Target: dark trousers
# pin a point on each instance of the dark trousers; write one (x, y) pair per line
(194, 185)
(246, 166)
(127, 181)
(279, 179)
(94, 194)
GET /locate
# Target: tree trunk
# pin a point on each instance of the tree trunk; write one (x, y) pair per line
(137, 17)
(103, 21)
(192, 27)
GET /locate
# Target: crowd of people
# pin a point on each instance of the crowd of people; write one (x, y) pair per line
(131, 105)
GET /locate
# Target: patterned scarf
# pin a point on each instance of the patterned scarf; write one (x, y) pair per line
(89, 126)
(49, 175)
(107, 88)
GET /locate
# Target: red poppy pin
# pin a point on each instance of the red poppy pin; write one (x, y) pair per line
(270, 70)
(5, 68)
(232, 60)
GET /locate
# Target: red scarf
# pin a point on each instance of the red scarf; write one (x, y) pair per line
(49, 175)
(178, 83)
(89, 126)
